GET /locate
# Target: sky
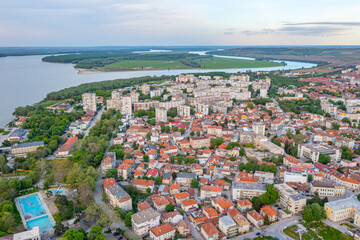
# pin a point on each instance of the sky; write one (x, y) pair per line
(178, 22)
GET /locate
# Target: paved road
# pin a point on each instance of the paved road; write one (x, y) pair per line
(275, 230)
(97, 118)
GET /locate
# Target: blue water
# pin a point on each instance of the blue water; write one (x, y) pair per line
(31, 206)
(35, 213)
(43, 222)
(58, 192)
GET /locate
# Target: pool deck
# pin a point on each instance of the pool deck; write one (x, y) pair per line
(24, 221)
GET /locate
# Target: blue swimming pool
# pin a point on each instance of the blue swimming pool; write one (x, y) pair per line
(34, 213)
(31, 206)
(43, 222)
(58, 192)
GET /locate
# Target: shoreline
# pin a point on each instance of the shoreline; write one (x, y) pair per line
(94, 71)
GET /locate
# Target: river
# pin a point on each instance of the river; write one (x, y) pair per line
(25, 80)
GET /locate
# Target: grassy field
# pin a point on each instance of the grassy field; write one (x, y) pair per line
(207, 63)
(219, 63)
(139, 64)
(316, 230)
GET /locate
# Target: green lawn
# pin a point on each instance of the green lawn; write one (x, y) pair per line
(138, 64)
(217, 62)
(207, 63)
(317, 230)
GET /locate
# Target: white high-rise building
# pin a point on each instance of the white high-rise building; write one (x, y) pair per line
(89, 102)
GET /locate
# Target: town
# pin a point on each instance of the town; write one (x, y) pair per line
(258, 155)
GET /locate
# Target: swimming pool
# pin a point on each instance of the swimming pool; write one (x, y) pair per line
(58, 192)
(43, 222)
(34, 212)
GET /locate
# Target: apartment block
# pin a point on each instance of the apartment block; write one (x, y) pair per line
(290, 199)
(89, 102)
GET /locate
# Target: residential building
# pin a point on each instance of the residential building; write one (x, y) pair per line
(312, 151)
(221, 204)
(242, 223)
(189, 204)
(270, 212)
(160, 203)
(255, 218)
(264, 177)
(108, 162)
(228, 226)
(327, 189)
(258, 128)
(290, 199)
(163, 232)
(207, 192)
(65, 149)
(199, 142)
(22, 149)
(125, 169)
(145, 220)
(185, 179)
(143, 184)
(33, 234)
(242, 190)
(172, 217)
(183, 227)
(183, 111)
(160, 114)
(89, 102)
(209, 231)
(244, 205)
(118, 197)
(343, 209)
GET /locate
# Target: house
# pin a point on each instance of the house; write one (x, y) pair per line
(65, 149)
(145, 220)
(210, 213)
(243, 224)
(172, 217)
(143, 184)
(125, 169)
(228, 226)
(143, 205)
(181, 196)
(221, 204)
(152, 173)
(185, 178)
(108, 162)
(163, 232)
(209, 231)
(189, 204)
(255, 218)
(270, 212)
(183, 227)
(160, 203)
(244, 205)
(167, 178)
(207, 192)
(174, 188)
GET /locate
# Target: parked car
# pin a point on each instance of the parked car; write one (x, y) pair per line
(258, 233)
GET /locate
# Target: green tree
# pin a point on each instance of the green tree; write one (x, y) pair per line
(148, 135)
(271, 195)
(335, 125)
(324, 159)
(248, 166)
(74, 234)
(267, 220)
(120, 212)
(198, 133)
(242, 151)
(273, 169)
(256, 203)
(264, 167)
(96, 233)
(60, 228)
(182, 130)
(128, 220)
(111, 173)
(255, 167)
(194, 183)
(309, 178)
(158, 180)
(241, 166)
(169, 208)
(146, 158)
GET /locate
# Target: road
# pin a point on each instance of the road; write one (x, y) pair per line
(193, 230)
(274, 230)
(97, 118)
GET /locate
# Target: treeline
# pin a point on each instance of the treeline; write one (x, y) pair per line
(104, 85)
(94, 60)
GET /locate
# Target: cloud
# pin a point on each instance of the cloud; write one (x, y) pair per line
(301, 30)
(228, 33)
(325, 23)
